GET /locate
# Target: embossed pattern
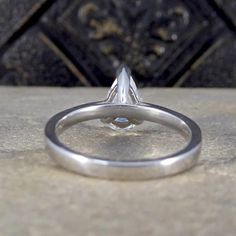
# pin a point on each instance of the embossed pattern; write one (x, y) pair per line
(82, 42)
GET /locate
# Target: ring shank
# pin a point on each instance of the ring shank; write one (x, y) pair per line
(140, 169)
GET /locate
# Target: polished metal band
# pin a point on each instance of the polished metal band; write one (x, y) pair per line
(129, 170)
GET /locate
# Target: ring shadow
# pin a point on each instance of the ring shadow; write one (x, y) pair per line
(148, 141)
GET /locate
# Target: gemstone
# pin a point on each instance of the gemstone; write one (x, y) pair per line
(122, 91)
(122, 86)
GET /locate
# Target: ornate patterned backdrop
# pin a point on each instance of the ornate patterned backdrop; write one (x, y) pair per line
(178, 43)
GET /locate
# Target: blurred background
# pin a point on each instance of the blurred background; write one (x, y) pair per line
(167, 43)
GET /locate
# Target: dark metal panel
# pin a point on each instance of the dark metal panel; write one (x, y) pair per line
(155, 38)
(82, 42)
(14, 14)
(35, 60)
(216, 68)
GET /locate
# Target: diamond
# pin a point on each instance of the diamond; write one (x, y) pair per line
(122, 91)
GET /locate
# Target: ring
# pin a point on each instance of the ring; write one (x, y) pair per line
(123, 109)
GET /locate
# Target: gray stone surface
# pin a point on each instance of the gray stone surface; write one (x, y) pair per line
(39, 198)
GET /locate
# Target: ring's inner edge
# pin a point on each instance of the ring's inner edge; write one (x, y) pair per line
(143, 111)
(128, 111)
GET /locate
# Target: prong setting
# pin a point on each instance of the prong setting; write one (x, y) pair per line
(122, 91)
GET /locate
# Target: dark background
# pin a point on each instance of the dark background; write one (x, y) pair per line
(180, 43)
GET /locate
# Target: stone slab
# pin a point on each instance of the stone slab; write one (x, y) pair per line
(38, 198)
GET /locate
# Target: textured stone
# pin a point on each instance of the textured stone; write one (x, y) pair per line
(82, 42)
(39, 198)
(14, 14)
(156, 39)
(213, 68)
(229, 7)
(34, 59)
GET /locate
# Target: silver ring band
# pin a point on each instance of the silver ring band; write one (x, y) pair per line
(133, 170)
(123, 110)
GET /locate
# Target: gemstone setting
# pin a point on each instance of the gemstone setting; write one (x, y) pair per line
(123, 91)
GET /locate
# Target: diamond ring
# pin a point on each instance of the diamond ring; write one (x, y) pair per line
(123, 109)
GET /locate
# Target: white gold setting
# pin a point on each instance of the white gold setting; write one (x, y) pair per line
(123, 91)
(123, 109)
